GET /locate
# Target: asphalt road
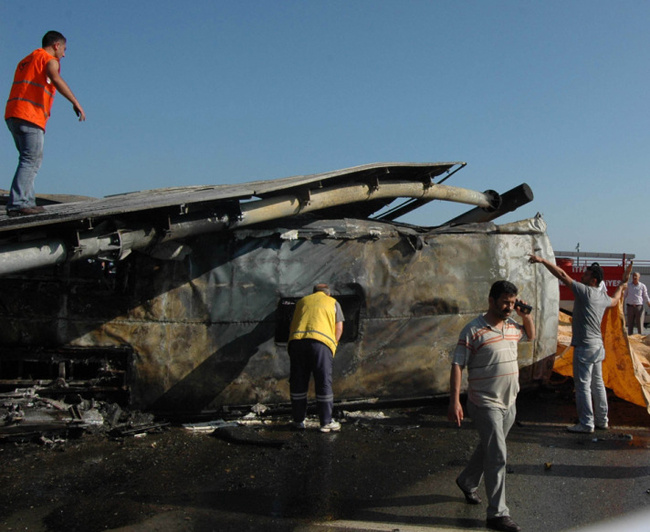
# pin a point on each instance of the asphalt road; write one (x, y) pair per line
(387, 470)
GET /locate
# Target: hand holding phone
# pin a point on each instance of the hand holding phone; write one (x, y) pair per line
(523, 307)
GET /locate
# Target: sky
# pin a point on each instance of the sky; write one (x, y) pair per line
(551, 93)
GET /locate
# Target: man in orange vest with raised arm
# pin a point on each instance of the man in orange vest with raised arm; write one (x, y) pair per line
(36, 81)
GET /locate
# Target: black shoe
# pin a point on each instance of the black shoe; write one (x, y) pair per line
(503, 523)
(470, 496)
(26, 211)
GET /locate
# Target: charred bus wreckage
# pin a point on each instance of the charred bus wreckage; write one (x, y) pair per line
(179, 300)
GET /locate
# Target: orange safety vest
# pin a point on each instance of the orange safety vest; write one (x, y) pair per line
(32, 92)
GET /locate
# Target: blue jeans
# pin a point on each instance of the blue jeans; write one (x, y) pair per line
(29, 140)
(591, 395)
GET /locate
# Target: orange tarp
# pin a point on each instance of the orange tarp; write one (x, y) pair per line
(625, 369)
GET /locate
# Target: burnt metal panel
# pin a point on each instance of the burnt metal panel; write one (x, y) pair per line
(157, 220)
(203, 329)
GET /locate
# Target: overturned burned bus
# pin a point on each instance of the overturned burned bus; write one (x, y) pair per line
(180, 299)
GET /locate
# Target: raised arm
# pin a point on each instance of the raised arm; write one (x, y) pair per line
(620, 289)
(558, 272)
(528, 323)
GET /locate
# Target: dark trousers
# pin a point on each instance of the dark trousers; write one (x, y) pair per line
(635, 318)
(311, 357)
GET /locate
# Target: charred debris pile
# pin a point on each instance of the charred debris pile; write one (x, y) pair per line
(28, 415)
(34, 415)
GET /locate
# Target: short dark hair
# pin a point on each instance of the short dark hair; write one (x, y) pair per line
(596, 272)
(51, 37)
(502, 287)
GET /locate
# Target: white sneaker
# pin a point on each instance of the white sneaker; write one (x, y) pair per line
(332, 426)
(580, 428)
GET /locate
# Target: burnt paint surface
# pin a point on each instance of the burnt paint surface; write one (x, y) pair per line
(203, 330)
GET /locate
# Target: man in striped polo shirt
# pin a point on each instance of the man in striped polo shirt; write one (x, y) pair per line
(487, 347)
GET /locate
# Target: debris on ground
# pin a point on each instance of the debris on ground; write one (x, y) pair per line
(27, 416)
(208, 426)
(359, 414)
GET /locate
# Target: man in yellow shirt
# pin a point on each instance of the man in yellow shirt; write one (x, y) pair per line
(316, 328)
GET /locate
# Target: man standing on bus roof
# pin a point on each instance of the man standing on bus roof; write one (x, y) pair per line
(635, 299)
(36, 80)
(587, 341)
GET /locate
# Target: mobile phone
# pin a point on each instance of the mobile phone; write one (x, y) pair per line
(526, 309)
